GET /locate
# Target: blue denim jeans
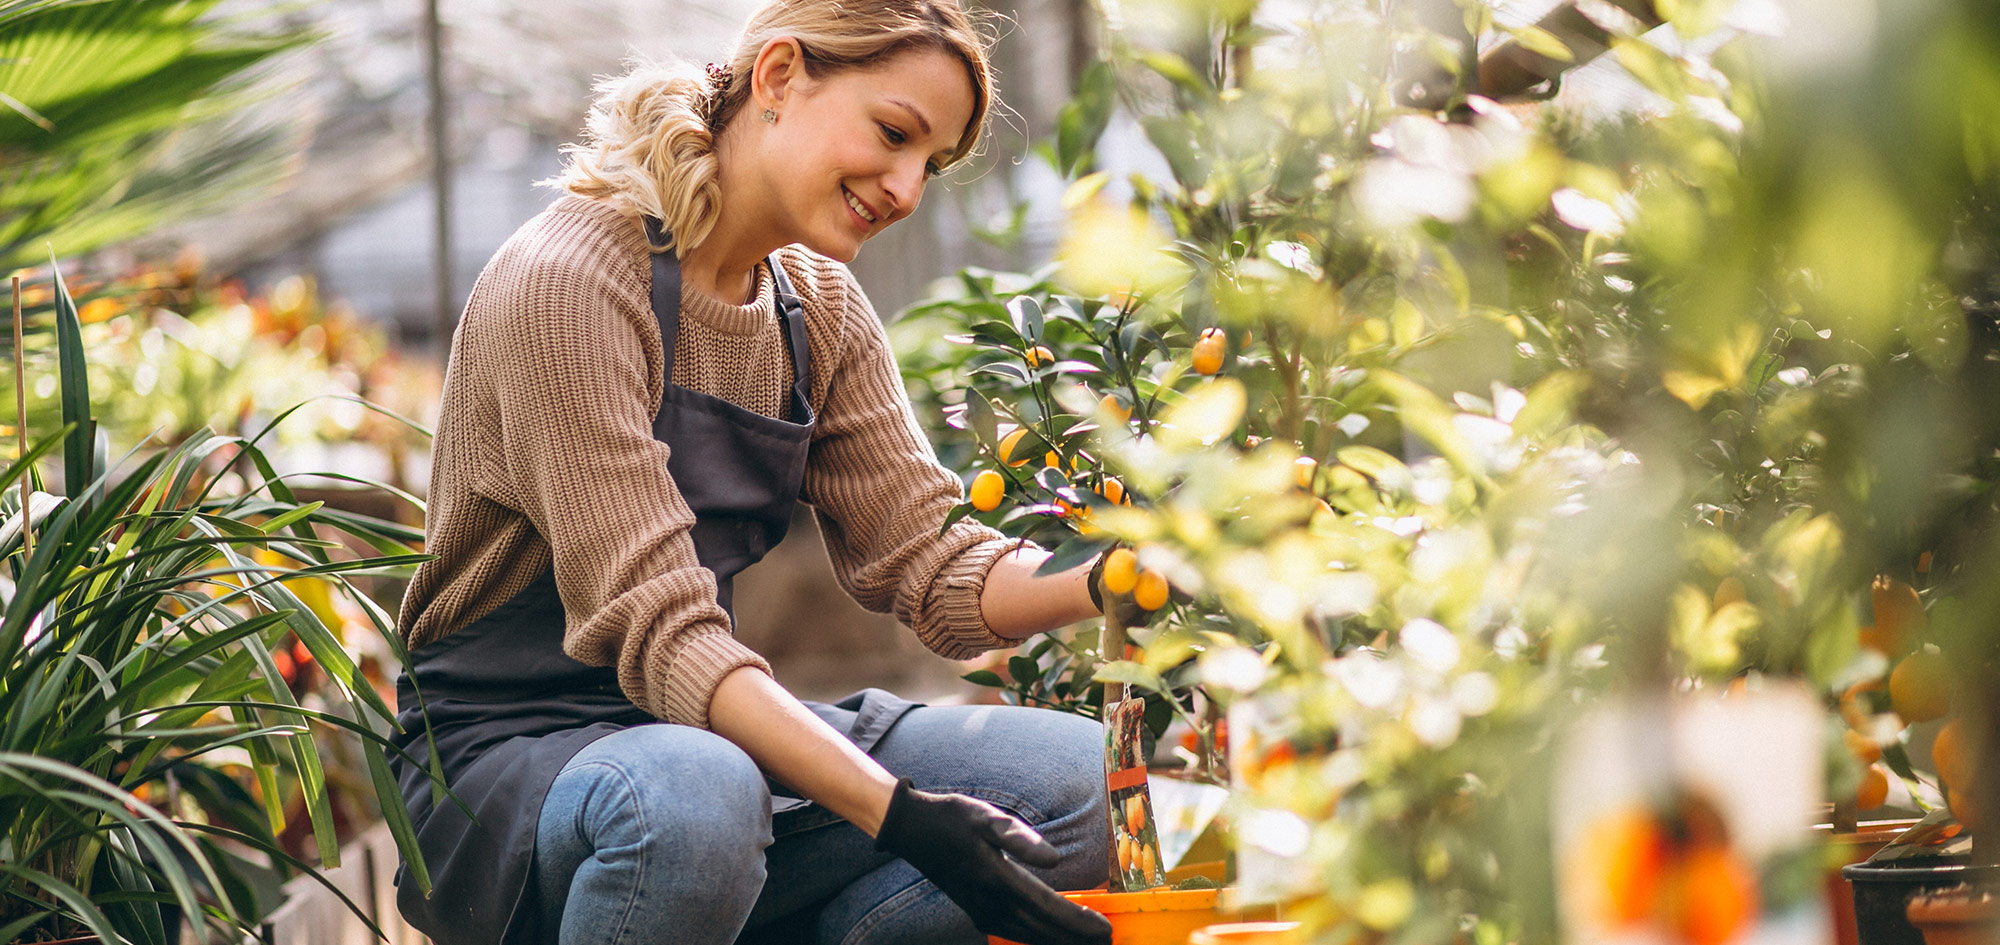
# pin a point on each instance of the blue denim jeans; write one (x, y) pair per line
(664, 833)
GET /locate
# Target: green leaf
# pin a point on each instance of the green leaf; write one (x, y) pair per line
(140, 107)
(1175, 141)
(980, 418)
(957, 512)
(1174, 69)
(984, 677)
(1071, 554)
(1026, 314)
(1023, 669)
(1131, 673)
(80, 448)
(1083, 119)
(1007, 369)
(1542, 42)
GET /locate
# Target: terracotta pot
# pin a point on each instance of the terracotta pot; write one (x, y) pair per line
(1249, 933)
(1957, 916)
(1849, 848)
(1159, 916)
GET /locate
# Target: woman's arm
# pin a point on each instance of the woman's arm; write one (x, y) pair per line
(1018, 604)
(799, 749)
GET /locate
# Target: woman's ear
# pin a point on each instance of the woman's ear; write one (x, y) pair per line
(779, 71)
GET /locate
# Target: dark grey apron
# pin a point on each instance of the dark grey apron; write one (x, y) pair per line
(507, 708)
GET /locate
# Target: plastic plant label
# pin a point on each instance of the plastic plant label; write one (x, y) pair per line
(1135, 841)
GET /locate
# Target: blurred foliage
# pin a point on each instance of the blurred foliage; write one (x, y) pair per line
(160, 731)
(119, 115)
(1451, 421)
(175, 351)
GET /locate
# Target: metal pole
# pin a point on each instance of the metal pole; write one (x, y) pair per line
(445, 314)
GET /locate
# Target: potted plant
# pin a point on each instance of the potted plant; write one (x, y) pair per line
(144, 607)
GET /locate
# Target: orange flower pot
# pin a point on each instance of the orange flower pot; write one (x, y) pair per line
(1961, 916)
(1158, 916)
(1249, 933)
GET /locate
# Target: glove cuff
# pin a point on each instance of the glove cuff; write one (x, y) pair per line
(1097, 577)
(892, 819)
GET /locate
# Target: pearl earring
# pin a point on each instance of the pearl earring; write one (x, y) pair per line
(770, 116)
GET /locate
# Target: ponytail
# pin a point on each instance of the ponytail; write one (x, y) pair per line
(648, 141)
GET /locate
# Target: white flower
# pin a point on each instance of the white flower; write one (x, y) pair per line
(1431, 645)
(1373, 682)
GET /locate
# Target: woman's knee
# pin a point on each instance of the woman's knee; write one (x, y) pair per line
(667, 786)
(1042, 765)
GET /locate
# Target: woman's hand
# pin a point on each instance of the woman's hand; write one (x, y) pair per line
(968, 848)
(962, 845)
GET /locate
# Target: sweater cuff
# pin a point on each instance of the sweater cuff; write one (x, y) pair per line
(699, 667)
(963, 633)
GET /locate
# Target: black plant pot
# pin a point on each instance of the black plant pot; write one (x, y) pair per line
(1882, 892)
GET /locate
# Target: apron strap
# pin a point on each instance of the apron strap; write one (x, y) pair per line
(795, 326)
(666, 296)
(667, 308)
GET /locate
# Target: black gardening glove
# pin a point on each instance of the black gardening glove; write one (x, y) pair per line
(967, 847)
(1129, 613)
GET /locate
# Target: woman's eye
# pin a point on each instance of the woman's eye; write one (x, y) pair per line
(894, 136)
(931, 169)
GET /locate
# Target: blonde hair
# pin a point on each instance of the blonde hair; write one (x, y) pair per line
(650, 136)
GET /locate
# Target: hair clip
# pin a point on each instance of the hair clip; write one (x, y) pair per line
(718, 78)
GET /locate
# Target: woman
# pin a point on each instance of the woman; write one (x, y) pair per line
(647, 377)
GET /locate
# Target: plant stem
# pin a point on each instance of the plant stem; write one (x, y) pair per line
(21, 424)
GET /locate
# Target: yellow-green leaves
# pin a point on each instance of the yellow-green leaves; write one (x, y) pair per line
(1108, 249)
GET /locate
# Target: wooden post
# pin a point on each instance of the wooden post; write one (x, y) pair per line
(445, 318)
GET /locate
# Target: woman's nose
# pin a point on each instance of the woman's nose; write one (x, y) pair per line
(905, 186)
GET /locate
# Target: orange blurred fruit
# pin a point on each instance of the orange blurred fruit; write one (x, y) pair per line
(1631, 856)
(1125, 852)
(1208, 351)
(1965, 809)
(1855, 705)
(987, 489)
(1899, 617)
(1874, 789)
(1135, 814)
(1111, 406)
(1920, 687)
(1863, 748)
(1040, 355)
(1112, 490)
(1150, 591)
(1121, 571)
(1007, 445)
(1149, 861)
(1709, 896)
(1951, 756)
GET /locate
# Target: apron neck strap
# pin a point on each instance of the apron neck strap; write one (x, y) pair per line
(667, 308)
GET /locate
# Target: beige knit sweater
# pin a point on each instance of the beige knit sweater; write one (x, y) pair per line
(545, 451)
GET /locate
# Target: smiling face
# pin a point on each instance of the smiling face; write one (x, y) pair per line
(852, 150)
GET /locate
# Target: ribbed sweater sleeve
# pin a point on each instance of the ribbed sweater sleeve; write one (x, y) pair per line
(881, 494)
(573, 360)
